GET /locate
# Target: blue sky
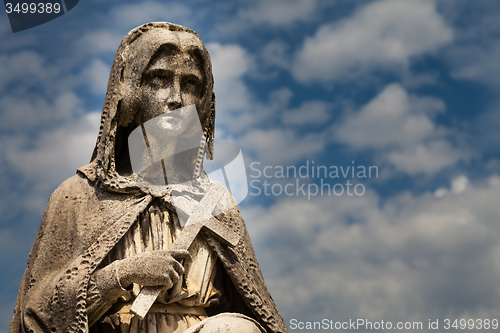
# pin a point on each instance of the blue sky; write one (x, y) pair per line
(410, 87)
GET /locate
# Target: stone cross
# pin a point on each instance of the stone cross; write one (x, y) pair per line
(195, 223)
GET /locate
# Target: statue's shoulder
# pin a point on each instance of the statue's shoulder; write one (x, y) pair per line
(74, 195)
(73, 187)
(75, 182)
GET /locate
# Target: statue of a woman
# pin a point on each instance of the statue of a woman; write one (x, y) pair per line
(105, 235)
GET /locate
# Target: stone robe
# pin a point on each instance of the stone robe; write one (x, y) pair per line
(81, 225)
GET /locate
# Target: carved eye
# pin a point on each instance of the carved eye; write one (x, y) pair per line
(158, 81)
(191, 84)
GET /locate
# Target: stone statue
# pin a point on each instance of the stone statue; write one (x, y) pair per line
(106, 232)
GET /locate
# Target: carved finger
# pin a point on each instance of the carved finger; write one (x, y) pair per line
(178, 267)
(174, 277)
(180, 254)
(168, 282)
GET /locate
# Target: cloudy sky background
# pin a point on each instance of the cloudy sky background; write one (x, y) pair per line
(411, 87)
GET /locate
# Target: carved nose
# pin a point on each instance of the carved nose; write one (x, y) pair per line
(174, 99)
(174, 105)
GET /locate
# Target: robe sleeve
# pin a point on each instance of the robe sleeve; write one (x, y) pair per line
(50, 278)
(103, 291)
(79, 227)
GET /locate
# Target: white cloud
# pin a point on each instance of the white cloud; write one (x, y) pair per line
(279, 12)
(26, 66)
(474, 54)
(309, 112)
(15, 41)
(426, 158)
(134, 15)
(100, 41)
(279, 147)
(239, 112)
(400, 128)
(477, 63)
(389, 119)
(58, 150)
(382, 34)
(53, 157)
(265, 14)
(19, 113)
(410, 258)
(275, 53)
(230, 63)
(97, 75)
(458, 185)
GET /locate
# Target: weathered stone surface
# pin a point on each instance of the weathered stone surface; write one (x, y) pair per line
(188, 235)
(104, 235)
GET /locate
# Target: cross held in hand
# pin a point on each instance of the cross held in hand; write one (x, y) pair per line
(201, 218)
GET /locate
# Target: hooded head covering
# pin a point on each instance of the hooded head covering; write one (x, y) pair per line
(123, 98)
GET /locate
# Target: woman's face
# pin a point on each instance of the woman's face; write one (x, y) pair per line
(172, 81)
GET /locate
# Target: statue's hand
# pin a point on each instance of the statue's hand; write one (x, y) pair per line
(155, 268)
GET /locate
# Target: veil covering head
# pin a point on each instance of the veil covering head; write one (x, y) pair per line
(123, 98)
